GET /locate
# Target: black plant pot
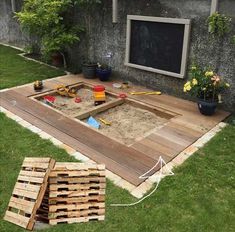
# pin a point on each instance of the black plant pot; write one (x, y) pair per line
(89, 70)
(103, 74)
(206, 107)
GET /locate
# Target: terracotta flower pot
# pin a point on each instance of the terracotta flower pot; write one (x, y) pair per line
(57, 59)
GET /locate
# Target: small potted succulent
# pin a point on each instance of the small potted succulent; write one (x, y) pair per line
(103, 72)
(207, 86)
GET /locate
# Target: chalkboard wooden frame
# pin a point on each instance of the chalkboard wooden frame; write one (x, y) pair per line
(185, 22)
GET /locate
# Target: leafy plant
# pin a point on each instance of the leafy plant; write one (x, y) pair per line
(46, 19)
(205, 84)
(219, 24)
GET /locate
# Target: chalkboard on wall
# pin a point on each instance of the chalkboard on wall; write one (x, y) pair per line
(157, 44)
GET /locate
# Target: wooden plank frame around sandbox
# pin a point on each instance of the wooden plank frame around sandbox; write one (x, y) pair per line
(185, 125)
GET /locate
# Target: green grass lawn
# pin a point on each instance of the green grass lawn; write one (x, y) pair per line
(200, 197)
(15, 70)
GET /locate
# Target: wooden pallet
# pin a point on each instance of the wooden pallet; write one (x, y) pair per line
(76, 193)
(29, 191)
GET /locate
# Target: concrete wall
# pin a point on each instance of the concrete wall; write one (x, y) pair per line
(10, 31)
(106, 37)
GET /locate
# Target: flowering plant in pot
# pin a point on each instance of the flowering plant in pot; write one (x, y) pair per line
(207, 86)
(103, 72)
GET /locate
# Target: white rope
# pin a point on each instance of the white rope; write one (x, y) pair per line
(160, 175)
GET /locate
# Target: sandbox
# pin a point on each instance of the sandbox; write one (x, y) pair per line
(130, 121)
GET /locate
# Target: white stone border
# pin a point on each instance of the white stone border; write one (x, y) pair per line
(143, 188)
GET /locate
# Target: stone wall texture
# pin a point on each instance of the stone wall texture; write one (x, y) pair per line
(106, 37)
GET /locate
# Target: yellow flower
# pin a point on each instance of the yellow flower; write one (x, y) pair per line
(204, 89)
(227, 85)
(188, 87)
(187, 84)
(209, 73)
(194, 68)
(195, 82)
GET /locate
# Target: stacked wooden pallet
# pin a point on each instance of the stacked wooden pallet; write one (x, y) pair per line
(29, 191)
(76, 193)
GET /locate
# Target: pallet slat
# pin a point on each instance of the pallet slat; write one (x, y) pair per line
(78, 180)
(76, 199)
(82, 213)
(77, 166)
(29, 187)
(76, 193)
(35, 165)
(69, 207)
(30, 179)
(56, 187)
(16, 219)
(76, 220)
(26, 196)
(32, 173)
(77, 173)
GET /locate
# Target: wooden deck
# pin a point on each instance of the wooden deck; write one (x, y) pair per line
(185, 125)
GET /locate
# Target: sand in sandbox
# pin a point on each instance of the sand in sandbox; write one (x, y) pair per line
(69, 107)
(128, 123)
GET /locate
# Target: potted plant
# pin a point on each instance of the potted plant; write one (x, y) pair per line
(103, 72)
(89, 69)
(47, 21)
(207, 86)
(219, 24)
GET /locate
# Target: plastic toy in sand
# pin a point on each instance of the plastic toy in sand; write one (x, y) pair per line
(122, 95)
(49, 98)
(105, 122)
(66, 91)
(93, 123)
(78, 100)
(99, 94)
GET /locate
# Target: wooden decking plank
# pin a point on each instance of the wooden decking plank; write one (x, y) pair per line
(175, 136)
(165, 150)
(105, 145)
(125, 171)
(150, 151)
(165, 142)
